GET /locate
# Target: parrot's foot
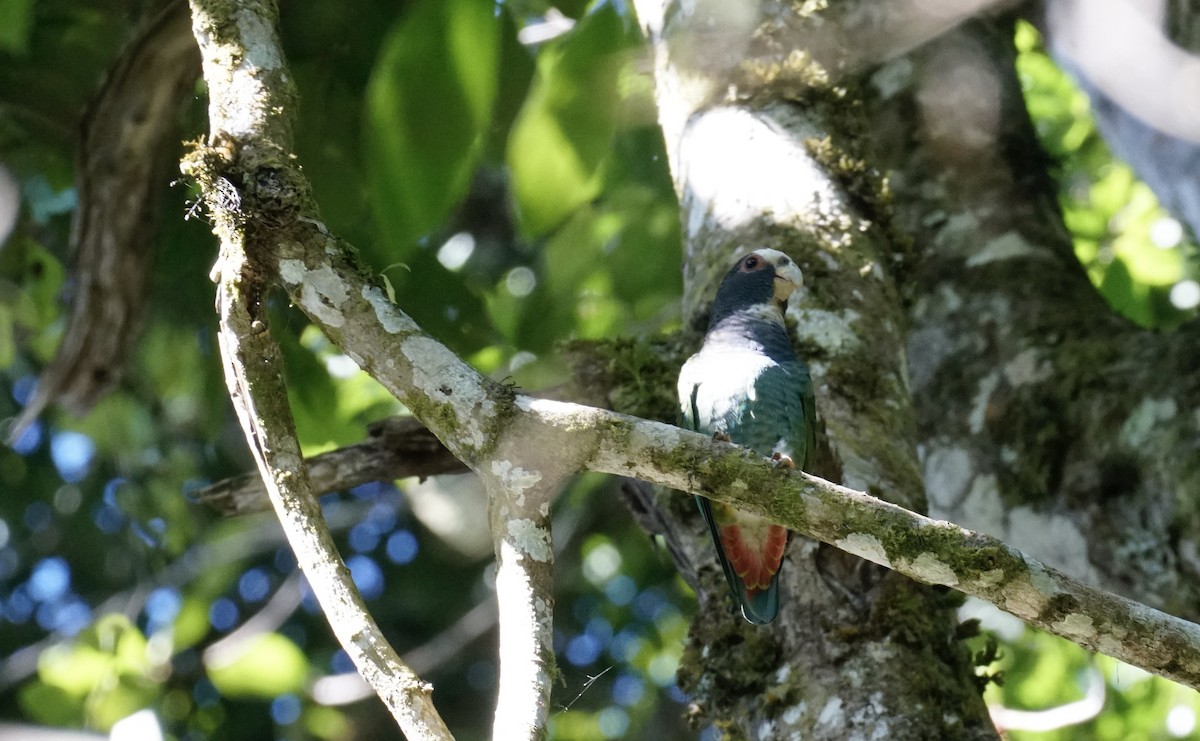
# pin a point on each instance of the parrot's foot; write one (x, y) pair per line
(779, 460)
(721, 437)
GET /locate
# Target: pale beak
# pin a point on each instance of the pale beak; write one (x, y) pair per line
(788, 280)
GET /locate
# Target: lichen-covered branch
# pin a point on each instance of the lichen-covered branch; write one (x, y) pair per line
(525, 597)
(927, 550)
(253, 371)
(261, 204)
(241, 60)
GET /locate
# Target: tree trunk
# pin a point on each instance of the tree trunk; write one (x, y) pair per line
(766, 151)
(1044, 418)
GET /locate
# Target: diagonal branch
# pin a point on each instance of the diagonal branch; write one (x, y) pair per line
(253, 366)
(927, 550)
(241, 58)
(396, 448)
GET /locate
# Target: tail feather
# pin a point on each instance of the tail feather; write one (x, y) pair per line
(759, 606)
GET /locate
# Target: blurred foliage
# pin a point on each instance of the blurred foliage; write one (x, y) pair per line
(1063, 693)
(1132, 249)
(513, 192)
(428, 104)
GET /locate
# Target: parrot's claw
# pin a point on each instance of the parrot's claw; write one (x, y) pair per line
(721, 437)
(779, 460)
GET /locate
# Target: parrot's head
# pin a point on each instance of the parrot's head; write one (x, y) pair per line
(763, 279)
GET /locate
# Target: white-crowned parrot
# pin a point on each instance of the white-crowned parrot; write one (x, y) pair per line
(746, 383)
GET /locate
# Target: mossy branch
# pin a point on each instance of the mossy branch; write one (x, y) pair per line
(241, 61)
(927, 550)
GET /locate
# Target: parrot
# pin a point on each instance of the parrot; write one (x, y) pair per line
(747, 385)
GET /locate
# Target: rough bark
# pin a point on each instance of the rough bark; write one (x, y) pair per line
(249, 91)
(766, 151)
(1044, 418)
(129, 140)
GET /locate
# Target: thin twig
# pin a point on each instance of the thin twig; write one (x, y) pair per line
(396, 448)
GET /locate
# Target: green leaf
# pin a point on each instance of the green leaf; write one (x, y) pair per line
(191, 625)
(111, 647)
(8, 349)
(51, 705)
(428, 103)
(16, 21)
(564, 133)
(270, 666)
(40, 276)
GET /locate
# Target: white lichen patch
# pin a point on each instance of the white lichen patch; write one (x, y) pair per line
(864, 545)
(930, 569)
(982, 509)
(527, 538)
(258, 37)
(1109, 645)
(1142, 421)
(1024, 600)
(322, 291)
(831, 330)
(980, 403)
(292, 271)
(927, 349)
(956, 226)
(991, 578)
(1055, 539)
(514, 477)
(440, 375)
(1076, 625)
(1027, 367)
(832, 714)
(387, 313)
(1005, 247)
(872, 718)
(947, 474)
(795, 713)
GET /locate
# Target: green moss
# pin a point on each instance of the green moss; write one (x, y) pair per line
(638, 376)
(919, 619)
(440, 418)
(739, 662)
(504, 397)
(1058, 608)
